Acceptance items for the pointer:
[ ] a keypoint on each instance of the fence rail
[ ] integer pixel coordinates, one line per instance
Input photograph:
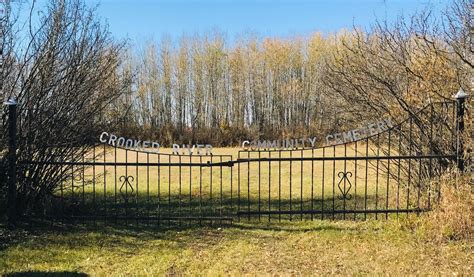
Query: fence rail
(393, 172)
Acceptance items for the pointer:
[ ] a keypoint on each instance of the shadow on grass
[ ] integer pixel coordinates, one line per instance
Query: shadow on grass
(72, 235)
(147, 219)
(317, 226)
(44, 273)
(221, 207)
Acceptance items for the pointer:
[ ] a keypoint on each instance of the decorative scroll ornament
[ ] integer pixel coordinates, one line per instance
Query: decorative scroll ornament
(78, 177)
(346, 185)
(126, 188)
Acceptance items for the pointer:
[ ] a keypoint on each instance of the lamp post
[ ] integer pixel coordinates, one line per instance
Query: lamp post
(460, 97)
(12, 159)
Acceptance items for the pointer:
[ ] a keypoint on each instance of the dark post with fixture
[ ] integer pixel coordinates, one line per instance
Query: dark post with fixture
(11, 158)
(460, 99)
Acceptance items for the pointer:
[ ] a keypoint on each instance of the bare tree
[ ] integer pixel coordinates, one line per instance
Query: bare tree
(397, 69)
(64, 75)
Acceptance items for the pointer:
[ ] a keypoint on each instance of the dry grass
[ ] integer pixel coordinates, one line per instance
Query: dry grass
(451, 218)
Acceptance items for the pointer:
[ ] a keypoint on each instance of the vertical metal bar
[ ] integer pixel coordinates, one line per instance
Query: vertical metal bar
(323, 184)
(291, 183)
(221, 197)
(420, 169)
(410, 143)
(238, 188)
(169, 190)
(399, 166)
(159, 188)
(259, 188)
(137, 208)
(148, 185)
(190, 186)
(248, 184)
(430, 166)
(312, 183)
(377, 177)
(72, 184)
(419, 183)
(231, 187)
(105, 184)
(62, 184)
(212, 206)
(366, 175)
(355, 179)
(179, 190)
(269, 184)
(333, 181)
(388, 170)
(279, 185)
(83, 178)
(115, 183)
(200, 188)
(345, 172)
(301, 186)
(93, 183)
(126, 187)
(442, 122)
(439, 185)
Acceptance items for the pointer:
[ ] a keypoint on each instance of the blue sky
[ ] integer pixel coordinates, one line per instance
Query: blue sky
(141, 20)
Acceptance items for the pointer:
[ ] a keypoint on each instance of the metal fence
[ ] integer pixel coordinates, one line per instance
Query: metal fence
(389, 173)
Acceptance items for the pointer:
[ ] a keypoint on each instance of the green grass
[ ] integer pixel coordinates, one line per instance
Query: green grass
(298, 247)
(318, 247)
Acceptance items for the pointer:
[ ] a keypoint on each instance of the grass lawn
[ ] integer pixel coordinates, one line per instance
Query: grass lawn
(248, 247)
(317, 247)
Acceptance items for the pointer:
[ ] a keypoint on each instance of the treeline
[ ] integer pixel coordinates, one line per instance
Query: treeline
(203, 89)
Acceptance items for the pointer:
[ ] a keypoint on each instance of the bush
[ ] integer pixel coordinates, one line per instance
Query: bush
(63, 81)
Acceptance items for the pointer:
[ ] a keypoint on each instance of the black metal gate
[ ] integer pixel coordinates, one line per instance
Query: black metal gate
(391, 172)
(121, 185)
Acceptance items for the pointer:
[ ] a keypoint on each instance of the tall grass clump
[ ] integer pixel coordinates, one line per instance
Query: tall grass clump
(451, 217)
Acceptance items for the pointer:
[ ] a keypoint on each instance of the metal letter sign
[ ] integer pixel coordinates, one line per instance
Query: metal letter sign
(116, 141)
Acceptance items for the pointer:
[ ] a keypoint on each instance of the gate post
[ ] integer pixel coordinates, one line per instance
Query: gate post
(460, 99)
(12, 160)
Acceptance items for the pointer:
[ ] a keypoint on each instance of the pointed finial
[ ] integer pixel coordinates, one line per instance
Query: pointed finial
(460, 94)
(10, 102)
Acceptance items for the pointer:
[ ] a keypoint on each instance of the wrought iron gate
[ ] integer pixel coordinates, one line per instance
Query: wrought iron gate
(392, 172)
